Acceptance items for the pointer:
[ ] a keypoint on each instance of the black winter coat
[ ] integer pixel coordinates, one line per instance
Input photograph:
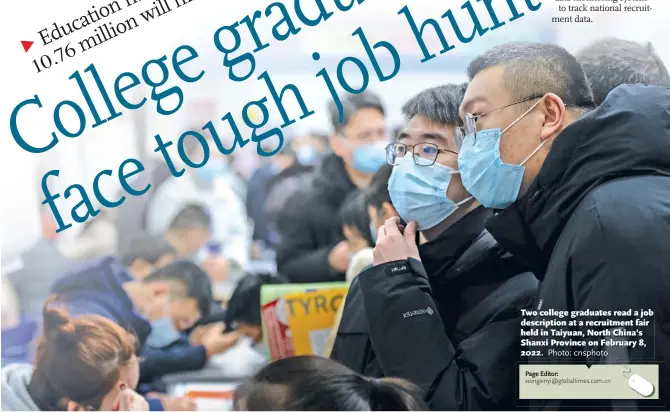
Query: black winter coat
(450, 324)
(595, 225)
(309, 226)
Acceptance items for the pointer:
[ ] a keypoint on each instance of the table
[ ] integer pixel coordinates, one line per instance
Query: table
(212, 387)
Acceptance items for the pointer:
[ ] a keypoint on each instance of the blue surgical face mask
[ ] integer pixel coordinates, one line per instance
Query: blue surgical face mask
(369, 158)
(307, 156)
(492, 182)
(163, 333)
(419, 193)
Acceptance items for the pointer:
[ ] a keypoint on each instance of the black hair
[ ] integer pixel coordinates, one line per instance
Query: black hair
(378, 191)
(190, 217)
(312, 383)
(611, 62)
(244, 305)
(351, 103)
(439, 104)
(191, 277)
(354, 212)
(536, 69)
(148, 248)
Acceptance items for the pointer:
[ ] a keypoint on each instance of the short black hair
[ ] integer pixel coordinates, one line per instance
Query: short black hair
(244, 305)
(312, 383)
(148, 248)
(611, 62)
(378, 191)
(439, 104)
(191, 277)
(354, 212)
(351, 103)
(190, 217)
(536, 69)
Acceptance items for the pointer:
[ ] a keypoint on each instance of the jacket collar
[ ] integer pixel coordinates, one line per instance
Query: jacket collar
(440, 255)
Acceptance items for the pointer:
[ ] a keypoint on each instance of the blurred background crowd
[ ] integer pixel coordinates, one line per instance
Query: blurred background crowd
(191, 254)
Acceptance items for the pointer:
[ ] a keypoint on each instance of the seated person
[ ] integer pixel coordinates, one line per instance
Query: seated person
(84, 363)
(156, 308)
(244, 308)
(311, 383)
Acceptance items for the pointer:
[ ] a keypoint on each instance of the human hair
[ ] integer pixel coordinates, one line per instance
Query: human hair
(611, 62)
(78, 359)
(148, 248)
(532, 69)
(354, 212)
(312, 383)
(439, 104)
(191, 216)
(244, 305)
(351, 103)
(191, 280)
(378, 191)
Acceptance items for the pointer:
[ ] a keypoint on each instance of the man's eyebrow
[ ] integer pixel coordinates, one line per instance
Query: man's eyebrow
(402, 135)
(468, 103)
(433, 136)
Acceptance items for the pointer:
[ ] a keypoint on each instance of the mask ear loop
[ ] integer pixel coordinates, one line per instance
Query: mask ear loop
(521, 117)
(517, 121)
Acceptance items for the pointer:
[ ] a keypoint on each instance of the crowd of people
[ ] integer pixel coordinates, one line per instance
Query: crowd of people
(540, 184)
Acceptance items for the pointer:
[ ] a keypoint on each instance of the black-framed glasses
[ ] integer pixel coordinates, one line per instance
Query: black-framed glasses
(470, 121)
(424, 154)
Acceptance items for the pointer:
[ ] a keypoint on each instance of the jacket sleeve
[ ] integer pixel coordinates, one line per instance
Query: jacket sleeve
(155, 363)
(410, 342)
(297, 257)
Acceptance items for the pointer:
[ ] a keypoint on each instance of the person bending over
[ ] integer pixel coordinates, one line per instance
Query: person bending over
(156, 309)
(84, 363)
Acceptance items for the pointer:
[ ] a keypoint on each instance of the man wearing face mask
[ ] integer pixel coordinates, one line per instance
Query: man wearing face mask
(444, 315)
(225, 256)
(584, 192)
(312, 246)
(157, 308)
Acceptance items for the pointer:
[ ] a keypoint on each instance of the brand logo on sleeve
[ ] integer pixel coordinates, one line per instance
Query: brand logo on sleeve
(427, 311)
(399, 269)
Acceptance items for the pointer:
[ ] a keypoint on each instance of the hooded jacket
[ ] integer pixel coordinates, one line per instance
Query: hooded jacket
(450, 323)
(15, 380)
(594, 224)
(309, 226)
(97, 288)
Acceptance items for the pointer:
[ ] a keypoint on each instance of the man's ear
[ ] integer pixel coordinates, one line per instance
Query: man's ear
(554, 116)
(336, 145)
(388, 211)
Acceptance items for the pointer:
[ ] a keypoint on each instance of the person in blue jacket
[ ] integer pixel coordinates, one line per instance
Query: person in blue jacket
(156, 309)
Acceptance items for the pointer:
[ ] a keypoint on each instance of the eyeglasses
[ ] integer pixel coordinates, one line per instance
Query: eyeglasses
(424, 154)
(470, 121)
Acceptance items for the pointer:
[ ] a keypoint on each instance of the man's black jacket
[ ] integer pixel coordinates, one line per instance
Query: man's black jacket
(450, 324)
(309, 225)
(595, 223)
